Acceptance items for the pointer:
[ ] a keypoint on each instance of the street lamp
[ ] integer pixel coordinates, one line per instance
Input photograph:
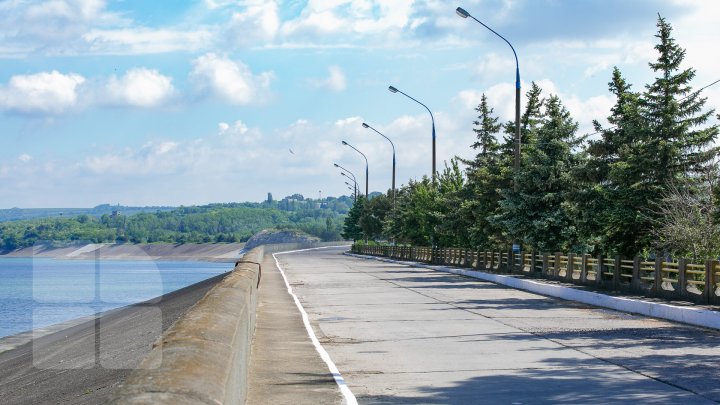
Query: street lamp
(393, 148)
(353, 188)
(395, 90)
(464, 14)
(354, 182)
(354, 179)
(366, 167)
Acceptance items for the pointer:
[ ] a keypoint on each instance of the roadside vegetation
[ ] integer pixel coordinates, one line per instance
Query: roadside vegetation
(644, 184)
(201, 224)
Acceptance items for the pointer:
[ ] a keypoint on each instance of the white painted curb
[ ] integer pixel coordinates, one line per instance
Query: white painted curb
(689, 315)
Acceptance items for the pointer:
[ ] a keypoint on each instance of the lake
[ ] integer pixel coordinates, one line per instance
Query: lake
(38, 292)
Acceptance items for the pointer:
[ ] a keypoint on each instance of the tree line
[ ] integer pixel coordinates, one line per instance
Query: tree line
(235, 222)
(642, 185)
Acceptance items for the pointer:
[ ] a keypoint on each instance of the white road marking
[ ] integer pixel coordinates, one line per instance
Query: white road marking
(344, 389)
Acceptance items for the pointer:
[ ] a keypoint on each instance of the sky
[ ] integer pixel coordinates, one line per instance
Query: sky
(173, 102)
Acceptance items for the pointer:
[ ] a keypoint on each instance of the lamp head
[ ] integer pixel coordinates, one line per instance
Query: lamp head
(462, 13)
(392, 89)
(336, 165)
(344, 143)
(365, 125)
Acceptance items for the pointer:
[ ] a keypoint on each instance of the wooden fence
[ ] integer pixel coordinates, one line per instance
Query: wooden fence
(682, 280)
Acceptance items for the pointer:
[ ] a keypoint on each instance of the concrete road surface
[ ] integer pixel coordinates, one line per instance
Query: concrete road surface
(408, 335)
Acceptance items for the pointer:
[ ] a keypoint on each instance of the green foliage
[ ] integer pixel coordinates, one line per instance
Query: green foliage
(611, 195)
(535, 209)
(212, 223)
(351, 227)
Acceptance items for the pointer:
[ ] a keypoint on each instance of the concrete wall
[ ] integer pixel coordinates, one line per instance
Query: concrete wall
(203, 358)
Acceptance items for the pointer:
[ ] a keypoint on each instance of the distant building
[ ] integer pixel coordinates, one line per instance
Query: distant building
(269, 199)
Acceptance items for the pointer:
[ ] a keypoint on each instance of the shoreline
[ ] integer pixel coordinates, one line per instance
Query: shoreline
(126, 337)
(201, 252)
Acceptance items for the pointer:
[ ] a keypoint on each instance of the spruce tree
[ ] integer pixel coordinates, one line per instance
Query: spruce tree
(678, 148)
(537, 208)
(486, 176)
(351, 227)
(609, 202)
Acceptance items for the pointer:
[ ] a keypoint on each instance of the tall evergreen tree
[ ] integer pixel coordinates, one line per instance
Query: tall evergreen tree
(486, 176)
(351, 228)
(674, 113)
(612, 193)
(537, 209)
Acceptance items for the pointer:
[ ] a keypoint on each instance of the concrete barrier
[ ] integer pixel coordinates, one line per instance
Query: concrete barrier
(204, 357)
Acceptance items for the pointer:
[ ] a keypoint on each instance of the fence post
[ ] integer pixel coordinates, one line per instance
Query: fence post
(570, 267)
(616, 272)
(583, 268)
(556, 268)
(533, 259)
(657, 285)
(600, 270)
(544, 265)
(713, 297)
(708, 292)
(681, 291)
(635, 282)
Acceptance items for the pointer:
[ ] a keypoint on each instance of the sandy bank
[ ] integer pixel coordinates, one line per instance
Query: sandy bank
(213, 252)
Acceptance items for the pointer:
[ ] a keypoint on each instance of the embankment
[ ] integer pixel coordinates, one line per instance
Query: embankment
(84, 363)
(204, 357)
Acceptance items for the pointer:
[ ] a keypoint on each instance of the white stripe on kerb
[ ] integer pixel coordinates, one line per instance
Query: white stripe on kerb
(347, 394)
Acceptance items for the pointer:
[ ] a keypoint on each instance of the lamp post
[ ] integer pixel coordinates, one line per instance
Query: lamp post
(395, 90)
(464, 14)
(353, 188)
(366, 167)
(393, 148)
(354, 184)
(354, 179)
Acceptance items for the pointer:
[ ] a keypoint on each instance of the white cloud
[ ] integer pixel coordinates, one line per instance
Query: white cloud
(24, 158)
(258, 23)
(349, 19)
(215, 4)
(238, 128)
(41, 93)
(141, 40)
(153, 157)
(54, 26)
(139, 87)
(335, 81)
(230, 81)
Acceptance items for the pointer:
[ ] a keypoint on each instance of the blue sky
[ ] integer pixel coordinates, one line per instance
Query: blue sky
(175, 102)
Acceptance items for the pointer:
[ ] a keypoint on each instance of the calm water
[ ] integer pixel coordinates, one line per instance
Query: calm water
(35, 293)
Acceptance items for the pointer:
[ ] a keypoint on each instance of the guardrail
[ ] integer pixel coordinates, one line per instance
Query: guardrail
(682, 280)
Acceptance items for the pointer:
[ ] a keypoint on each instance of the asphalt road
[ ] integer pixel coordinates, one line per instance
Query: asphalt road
(409, 335)
(84, 363)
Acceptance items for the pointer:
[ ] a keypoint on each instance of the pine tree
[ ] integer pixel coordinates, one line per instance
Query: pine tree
(611, 189)
(678, 149)
(486, 176)
(351, 228)
(537, 209)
